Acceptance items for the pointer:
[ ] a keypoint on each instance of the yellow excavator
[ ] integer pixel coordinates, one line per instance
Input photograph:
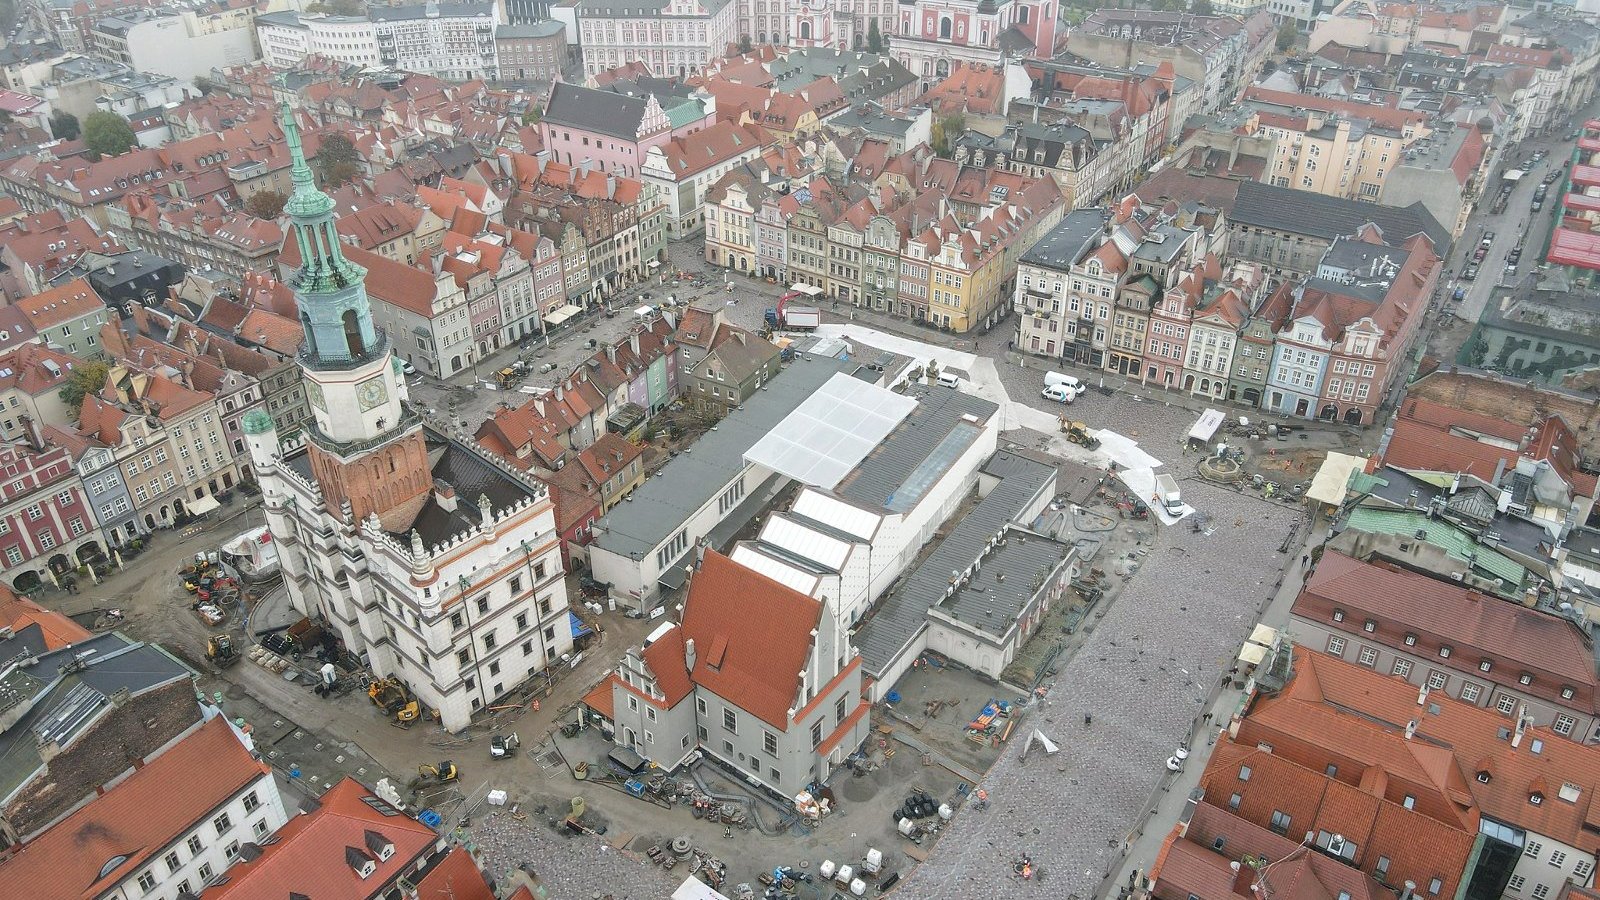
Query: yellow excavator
(443, 773)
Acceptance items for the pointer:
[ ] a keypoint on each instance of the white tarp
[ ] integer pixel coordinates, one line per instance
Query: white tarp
(1332, 480)
(562, 314)
(204, 505)
(831, 431)
(695, 889)
(1206, 426)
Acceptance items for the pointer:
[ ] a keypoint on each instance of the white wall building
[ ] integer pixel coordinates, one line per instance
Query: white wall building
(181, 45)
(453, 41)
(435, 562)
(672, 37)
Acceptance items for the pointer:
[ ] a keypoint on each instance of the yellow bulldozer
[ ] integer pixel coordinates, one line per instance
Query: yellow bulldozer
(219, 650)
(1078, 433)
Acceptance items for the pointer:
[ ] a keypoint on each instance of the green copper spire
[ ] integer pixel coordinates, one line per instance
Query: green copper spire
(323, 267)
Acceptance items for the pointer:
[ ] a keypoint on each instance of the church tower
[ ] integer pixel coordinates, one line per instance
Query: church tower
(366, 447)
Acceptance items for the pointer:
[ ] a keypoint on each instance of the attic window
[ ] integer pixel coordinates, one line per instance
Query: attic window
(1566, 693)
(113, 864)
(1570, 792)
(1536, 798)
(1485, 665)
(1369, 626)
(378, 844)
(1485, 777)
(360, 861)
(1444, 652)
(1338, 615)
(1411, 640)
(1525, 678)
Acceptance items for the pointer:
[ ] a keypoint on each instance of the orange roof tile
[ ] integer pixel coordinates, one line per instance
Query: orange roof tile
(64, 303)
(456, 877)
(59, 631)
(309, 853)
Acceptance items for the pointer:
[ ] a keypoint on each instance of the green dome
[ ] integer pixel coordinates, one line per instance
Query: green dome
(257, 422)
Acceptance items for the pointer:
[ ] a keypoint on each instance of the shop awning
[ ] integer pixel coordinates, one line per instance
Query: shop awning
(653, 264)
(562, 314)
(578, 628)
(1264, 635)
(203, 505)
(1252, 654)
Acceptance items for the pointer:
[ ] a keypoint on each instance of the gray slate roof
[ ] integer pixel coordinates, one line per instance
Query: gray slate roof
(902, 615)
(1062, 247)
(603, 112)
(664, 502)
(991, 605)
(112, 662)
(1302, 212)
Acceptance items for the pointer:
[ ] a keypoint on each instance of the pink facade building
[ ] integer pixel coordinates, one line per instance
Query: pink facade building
(46, 523)
(615, 127)
(933, 35)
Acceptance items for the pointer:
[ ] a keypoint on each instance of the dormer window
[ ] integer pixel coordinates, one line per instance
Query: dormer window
(1369, 626)
(1566, 692)
(1525, 678)
(1411, 640)
(378, 845)
(1536, 798)
(1338, 615)
(1444, 652)
(358, 860)
(1485, 665)
(1485, 777)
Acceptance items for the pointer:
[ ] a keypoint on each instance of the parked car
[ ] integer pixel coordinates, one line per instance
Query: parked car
(1538, 204)
(1470, 273)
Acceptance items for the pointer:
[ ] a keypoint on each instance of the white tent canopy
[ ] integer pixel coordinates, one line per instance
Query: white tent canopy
(832, 431)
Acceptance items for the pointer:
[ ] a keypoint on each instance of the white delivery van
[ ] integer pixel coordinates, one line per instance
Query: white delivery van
(1167, 493)
(1060, 393)
(949, 380)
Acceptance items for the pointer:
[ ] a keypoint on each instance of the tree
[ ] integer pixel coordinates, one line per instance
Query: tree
(1202, 8)
(745, 46)
(87, 378)
(1287, 35)
(107, 134)
(204, 85)
(337, 7)
(532, 116)
(265, 204)
(64, 126)
(337, 160)
(874, 37)
(946, 130)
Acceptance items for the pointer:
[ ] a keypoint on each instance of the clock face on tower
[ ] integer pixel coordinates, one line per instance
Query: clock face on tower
(371, 393)
(314, 394)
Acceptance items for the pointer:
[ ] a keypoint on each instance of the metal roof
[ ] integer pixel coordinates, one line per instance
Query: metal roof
(753, 556)
(661, 505)
(1065, 243)
(1012, 573)
(805, 542)
(831, 512)
(832, 431)
(1452, 539)
(902, 615)
(913, 456)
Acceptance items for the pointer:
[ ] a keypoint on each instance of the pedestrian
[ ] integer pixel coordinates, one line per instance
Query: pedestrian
(1087, 720)
(1304, 560)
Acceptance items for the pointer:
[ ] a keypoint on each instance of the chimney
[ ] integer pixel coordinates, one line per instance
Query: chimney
(611, 353)
(1411, 729)
(1522, 725)
(35, 435)
(633, 342)
(1244, 878)
(689, 654)
(1410, 891)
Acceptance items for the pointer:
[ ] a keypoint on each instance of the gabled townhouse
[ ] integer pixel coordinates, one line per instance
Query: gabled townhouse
(1064, 297)
(756, 674)
(168, 440)
(526, 439)
(1345, 343)
(733, 367)
(40, 247)
(203, 236)
(31, 379)
(403, 232)
(683, 169)
(254, 336)
(615, 129)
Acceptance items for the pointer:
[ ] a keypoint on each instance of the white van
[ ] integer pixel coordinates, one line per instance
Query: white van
(1051, 379)
(949, 380)
(1060, 393)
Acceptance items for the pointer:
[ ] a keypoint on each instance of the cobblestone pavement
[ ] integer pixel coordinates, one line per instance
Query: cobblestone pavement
(570, 867)
(1151, 662)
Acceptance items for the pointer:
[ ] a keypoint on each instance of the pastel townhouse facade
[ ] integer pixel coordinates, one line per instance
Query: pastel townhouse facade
(932, 37)
(684, 169)
(46, 521)
(613, 130)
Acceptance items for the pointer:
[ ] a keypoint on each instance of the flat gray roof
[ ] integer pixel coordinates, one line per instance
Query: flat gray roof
(990, 604)
(904, 613)
(661, 505)
(897, 472)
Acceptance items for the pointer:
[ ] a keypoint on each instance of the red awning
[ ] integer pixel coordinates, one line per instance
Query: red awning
(1570, 247)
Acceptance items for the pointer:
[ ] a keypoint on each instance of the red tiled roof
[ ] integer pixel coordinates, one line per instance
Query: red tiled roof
(308, 855)
(600, 698)
(75, 859)
(766, 628)
(608, 456)
(64, 303)
(456, 877)
(1440, 613)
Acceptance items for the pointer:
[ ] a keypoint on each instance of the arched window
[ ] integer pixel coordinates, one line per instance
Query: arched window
(944, 28)
(311, 339)
(805, 31)
(352, 333)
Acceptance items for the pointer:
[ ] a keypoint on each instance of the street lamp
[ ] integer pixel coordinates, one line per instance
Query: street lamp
(472, 642)
(533, 585)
